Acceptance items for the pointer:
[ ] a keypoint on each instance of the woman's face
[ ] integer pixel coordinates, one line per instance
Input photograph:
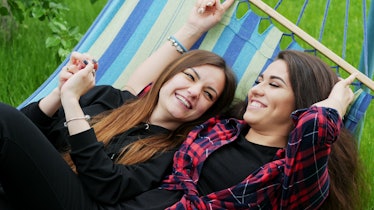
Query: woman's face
(190, 93)
(271, 100)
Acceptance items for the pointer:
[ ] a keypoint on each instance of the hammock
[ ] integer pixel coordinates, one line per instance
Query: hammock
(126, 32)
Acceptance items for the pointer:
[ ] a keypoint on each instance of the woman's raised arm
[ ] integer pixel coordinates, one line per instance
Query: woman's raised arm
(204, 15)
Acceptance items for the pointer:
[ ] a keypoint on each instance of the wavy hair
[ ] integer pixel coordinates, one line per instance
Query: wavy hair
(312, 81)
(113, 123)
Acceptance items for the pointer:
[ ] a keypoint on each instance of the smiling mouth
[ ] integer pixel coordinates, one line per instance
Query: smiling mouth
(256, 104)
(184, 101)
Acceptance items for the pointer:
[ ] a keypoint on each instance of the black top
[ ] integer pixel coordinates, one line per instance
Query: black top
(225, 167)
(107, 182)
(231, 164)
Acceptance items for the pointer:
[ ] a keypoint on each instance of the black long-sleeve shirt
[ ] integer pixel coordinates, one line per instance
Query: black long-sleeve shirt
(107, 182)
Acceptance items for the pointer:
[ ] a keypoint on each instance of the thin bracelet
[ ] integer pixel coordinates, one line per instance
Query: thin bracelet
(85, 117)
(178, 46)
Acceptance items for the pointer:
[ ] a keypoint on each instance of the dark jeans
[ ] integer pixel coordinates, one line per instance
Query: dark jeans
(32, 172)
(4, 202)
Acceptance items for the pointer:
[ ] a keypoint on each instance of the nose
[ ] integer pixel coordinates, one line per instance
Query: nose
(257, 89)
(194, 90)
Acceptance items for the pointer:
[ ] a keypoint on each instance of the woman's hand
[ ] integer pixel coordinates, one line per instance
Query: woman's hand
(76, 63)
(52, 102)
(76, 78)
(75, 82)
(341, 96)
(206, 14)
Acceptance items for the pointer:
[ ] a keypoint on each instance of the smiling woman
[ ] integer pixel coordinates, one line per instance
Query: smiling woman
(189, 94)
(277, 166)
(138, 145)
(128, 141)
(270, 103)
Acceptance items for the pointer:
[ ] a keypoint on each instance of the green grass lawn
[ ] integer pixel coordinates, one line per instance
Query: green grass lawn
(26, 62)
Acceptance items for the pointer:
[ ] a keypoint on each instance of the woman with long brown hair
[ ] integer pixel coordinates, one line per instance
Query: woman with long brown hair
(118, 144)
(284, 141)
(282, 148)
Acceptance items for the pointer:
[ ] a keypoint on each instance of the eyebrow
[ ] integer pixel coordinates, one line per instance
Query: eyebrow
(198, 76)
(274, 77)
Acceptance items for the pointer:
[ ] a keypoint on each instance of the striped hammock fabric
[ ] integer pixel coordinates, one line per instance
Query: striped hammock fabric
(127, 32)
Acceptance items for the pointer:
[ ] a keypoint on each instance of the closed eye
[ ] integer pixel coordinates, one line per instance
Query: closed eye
(189, 75)
(274, 84)
(209, 95)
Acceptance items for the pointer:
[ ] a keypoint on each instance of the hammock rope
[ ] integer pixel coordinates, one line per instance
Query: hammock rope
(365, 45)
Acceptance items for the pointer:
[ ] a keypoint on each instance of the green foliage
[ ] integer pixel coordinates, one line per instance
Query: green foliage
(62, 38)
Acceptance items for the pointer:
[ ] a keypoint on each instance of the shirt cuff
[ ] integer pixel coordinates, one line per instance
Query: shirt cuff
(34, 112)
(82, 140)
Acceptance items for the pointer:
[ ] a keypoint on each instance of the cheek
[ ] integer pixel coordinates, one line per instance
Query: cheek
(168, 86)
(203, 106)
(287, 104)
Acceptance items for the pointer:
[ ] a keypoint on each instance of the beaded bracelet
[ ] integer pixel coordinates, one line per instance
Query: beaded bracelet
(179, 47)
(85, 117)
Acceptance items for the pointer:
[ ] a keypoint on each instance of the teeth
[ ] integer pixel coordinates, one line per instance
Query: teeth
(183, 100)
(256, 104)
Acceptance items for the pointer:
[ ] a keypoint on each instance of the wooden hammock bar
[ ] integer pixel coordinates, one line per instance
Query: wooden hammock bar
(313, 42)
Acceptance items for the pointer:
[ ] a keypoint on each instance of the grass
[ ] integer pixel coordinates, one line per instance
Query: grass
(26, 63)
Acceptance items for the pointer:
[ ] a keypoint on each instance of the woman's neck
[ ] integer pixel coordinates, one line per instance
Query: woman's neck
(270, 139)
(165, 123)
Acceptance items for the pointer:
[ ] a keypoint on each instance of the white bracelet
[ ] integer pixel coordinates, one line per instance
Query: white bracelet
(178, 46)
(85, 117)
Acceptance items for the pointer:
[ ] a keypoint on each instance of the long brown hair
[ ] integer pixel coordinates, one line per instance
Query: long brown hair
(312, 80)
(107, 125)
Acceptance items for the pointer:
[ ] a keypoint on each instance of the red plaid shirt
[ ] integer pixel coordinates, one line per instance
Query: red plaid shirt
(297, 178)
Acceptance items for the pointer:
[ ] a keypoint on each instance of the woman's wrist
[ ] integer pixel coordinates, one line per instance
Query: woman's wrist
(68, 100)
(334, 104)
(187, 36)
(76, 119)
(51, 103)
(188, 31)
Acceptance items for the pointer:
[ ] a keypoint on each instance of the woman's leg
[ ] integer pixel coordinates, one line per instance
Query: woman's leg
(4, 202)
(32, 172)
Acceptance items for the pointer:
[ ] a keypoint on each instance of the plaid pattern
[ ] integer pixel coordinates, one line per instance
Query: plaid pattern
(297, 178)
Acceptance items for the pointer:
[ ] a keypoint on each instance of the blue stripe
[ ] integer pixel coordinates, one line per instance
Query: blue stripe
(99, 25)
(223, 42)
(245, 44)
(129, 39)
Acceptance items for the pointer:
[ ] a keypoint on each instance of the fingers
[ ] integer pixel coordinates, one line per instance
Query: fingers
(227, 4)
(70, 68)
(201, 5)
(349, 80)
(344, 86)
(87, 73)
(80, 61)
(213, 5)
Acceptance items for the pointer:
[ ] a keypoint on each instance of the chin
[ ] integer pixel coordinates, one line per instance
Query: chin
(251, 119)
